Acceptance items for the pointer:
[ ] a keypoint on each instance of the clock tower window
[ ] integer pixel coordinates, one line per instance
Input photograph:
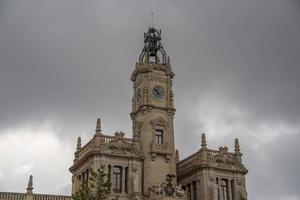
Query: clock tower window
(159, 136)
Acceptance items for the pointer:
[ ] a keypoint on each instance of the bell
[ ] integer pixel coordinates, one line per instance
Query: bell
(152, 52)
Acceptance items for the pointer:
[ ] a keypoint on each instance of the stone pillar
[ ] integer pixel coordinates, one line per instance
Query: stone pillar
(219, 189)
(233, 189)
(229, 189)
(192, 191)
(111, 178)
(123, 179)
(198, 188)
(76, 184)
(205, 184)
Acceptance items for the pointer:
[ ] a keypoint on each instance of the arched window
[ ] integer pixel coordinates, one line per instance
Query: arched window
(117, 179)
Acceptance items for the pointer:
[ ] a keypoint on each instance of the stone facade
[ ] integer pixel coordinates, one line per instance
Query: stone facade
(145, 165)
(121, 157)
(213, 174)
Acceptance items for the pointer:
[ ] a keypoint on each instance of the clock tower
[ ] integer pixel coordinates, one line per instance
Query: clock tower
(153, 110)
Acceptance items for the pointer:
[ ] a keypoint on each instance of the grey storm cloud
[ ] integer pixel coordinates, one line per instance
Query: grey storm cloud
(237, 75)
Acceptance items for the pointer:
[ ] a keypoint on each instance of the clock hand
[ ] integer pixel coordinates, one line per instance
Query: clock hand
(157, 92)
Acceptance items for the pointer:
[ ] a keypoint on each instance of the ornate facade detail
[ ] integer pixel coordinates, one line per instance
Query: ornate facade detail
(167, 190)
(152, 46)
(160, 122)
(212, 168)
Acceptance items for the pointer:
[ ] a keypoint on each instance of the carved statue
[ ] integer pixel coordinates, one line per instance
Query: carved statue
(179, 192)
(167, 190)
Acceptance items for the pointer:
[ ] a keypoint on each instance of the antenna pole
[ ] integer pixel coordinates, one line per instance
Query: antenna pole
(152, 19)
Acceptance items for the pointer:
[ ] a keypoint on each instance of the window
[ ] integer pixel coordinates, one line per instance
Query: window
(224, 189)
(159, 136)
(117, 179)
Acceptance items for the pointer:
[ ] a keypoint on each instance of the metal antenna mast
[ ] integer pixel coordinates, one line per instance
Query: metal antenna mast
(152, 19)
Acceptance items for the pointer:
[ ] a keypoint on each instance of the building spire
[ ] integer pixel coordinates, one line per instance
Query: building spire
(203, 141)
(236, 145)
(78, 143)
(30, 185)
(237, 150)
(98, 126)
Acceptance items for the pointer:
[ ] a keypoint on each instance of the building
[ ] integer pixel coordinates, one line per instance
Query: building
(213, 174)
(141, 163)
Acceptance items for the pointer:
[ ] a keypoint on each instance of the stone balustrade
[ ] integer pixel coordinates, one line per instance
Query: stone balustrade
(26, 196)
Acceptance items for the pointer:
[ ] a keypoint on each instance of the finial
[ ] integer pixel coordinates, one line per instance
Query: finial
(177, 155)
(30, 185)
(98, 126)
(236, 145)
(78, 143)
(203, 141)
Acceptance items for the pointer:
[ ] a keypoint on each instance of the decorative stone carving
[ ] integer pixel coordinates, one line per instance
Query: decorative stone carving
(223, 159)
(119, 146)
(160, 122)
(179, 192)
(167, 190)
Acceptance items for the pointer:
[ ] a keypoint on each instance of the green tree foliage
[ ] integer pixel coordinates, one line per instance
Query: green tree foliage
(97, 187)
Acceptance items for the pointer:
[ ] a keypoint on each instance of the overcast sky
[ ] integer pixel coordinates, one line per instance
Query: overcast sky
(65, 63)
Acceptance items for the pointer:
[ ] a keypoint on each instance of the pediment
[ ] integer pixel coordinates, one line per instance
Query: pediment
(226, 161)
(120, 148)
(160, 122)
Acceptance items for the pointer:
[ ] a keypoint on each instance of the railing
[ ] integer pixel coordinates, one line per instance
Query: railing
(188, 162)
(50, 197)
(12, 196)
(107, 138)
(129, 140)
(104, 139)
(163, 147)
(22, 196)
(216, 152)
(213, 153)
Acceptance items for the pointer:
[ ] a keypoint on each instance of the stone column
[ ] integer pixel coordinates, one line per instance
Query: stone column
(197, 190)
(192, 191)
(229, 189)
(111, 178)
(219, 189)
(123, 179)
(74, 186)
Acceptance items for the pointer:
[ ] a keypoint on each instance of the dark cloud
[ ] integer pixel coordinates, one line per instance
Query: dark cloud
(236, 64)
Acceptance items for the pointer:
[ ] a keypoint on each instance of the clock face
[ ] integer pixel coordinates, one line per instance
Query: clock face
(139, 95)
(158, 92)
